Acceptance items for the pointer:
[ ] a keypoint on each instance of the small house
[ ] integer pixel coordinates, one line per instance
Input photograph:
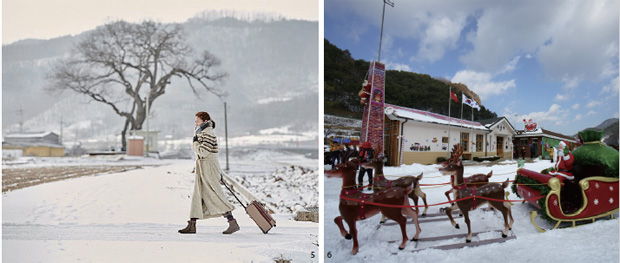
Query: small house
(40, 144)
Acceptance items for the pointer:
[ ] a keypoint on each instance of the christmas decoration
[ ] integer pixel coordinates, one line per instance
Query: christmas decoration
(530, 125)
(594, 153)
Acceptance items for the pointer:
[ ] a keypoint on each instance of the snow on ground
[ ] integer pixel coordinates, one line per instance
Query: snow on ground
(86, 160)
(291, 188)
(342, 121)
(341, 125)
(597, 242)
(134, 216)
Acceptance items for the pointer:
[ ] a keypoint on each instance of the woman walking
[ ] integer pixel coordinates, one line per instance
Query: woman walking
(208, 200)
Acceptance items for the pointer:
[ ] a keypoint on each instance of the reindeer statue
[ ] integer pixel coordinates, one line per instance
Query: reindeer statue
(381, 183)
(352, 211)
(489, 190)
(471, 181)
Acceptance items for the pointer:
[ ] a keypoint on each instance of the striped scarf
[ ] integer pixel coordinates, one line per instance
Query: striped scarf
(208, 140)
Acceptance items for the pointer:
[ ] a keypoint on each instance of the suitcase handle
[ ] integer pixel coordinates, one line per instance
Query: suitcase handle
(222, 179)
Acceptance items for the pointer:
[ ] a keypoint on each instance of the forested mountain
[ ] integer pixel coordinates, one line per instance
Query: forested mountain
(344, 76)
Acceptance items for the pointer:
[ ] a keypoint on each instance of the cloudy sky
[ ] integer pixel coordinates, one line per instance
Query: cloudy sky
(48, 19)
(553, 61)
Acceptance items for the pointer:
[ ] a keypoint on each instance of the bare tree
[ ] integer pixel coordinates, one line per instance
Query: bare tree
(124, 64)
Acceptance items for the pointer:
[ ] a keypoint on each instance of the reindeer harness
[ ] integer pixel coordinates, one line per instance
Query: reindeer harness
(362, 203)
(382, 177)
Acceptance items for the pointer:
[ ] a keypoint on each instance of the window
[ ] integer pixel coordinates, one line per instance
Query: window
(479, 141)
(465, 141)
(523, 142)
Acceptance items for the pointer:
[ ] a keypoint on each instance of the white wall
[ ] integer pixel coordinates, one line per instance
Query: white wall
(502, 129)
(425, 133)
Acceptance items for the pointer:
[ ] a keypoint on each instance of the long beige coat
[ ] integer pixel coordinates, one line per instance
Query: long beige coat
(208, 200)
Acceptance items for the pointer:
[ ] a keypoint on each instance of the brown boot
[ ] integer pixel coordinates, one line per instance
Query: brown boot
(232, 227)
(190, 228)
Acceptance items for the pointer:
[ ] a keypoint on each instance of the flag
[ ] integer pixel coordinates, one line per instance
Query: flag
(470, 102)
(453, 97)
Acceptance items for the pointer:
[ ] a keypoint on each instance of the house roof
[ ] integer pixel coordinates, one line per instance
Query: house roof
(545, 133)
(28, 135)
(32, 144)
(492, 122)
(398, 112)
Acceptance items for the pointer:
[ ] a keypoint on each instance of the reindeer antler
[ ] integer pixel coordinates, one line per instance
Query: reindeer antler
(346, 154)
(457, 152)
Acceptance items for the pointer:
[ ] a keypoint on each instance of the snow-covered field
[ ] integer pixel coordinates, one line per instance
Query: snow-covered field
(597, 242)
(134, 216)
(341, 125)
(109, 160)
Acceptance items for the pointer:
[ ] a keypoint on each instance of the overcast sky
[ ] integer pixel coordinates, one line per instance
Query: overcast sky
(39, 19)
(553, 61)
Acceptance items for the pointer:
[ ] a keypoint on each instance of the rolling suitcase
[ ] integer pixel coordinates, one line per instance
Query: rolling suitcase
(256, 211)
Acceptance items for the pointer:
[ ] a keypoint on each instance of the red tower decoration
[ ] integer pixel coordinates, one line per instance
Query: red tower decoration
(372, 122)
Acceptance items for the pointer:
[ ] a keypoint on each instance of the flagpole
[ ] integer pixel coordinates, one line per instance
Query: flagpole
(462, 99)
(472, 128)
(449, 123)
(461, 137)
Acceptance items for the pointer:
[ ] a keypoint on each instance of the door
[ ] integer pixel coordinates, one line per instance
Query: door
(500, 147)
(465, 141)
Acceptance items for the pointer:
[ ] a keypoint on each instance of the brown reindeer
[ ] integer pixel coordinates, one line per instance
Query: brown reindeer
(471, 181)
(381, 183)
(489, 190)
(352, 211)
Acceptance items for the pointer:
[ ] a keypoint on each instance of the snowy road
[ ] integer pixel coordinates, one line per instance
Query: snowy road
(596, 242)
(134, 216)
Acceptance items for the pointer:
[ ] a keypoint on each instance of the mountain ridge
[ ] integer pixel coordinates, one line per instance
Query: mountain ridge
(344, 76)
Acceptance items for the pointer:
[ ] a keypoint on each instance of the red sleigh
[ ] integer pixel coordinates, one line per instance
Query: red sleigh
(584, 199)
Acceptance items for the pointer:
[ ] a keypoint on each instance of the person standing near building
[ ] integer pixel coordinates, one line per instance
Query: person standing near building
(208, 200)
(366, 153)
(515, 151)
(335, 150)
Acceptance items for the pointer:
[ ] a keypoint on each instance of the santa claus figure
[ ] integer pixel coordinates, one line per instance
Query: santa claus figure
(563, 163)
(365, 92)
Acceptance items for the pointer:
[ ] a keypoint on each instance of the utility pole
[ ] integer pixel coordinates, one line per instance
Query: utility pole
(147, 125)
(62, 123)
(21, 118)
(382, 16)
(226, 134)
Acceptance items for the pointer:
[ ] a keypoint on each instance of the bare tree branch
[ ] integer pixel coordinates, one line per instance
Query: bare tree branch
(119, 59)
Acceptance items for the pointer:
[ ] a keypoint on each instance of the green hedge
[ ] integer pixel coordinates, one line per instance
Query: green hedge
(482, 159)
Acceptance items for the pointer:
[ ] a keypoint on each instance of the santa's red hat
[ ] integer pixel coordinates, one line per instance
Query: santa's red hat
(565, 144)
(366, 145)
